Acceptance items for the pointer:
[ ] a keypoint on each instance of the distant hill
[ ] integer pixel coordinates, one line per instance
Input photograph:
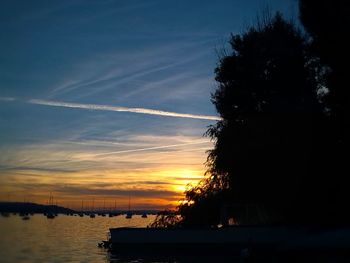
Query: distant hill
(20, 207)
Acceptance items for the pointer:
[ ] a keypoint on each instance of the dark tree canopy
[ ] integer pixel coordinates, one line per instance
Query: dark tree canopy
(267, 99)
(327, 22)
(280, 148)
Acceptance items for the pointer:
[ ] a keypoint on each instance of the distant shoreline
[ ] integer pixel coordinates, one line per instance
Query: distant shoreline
(25, 207)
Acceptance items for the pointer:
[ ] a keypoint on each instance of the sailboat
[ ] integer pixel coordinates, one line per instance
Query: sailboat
(128, 214)
(104, 208)
(92, 215)
(81, 214)
(144, 215)
(50, 215)
(111, 214)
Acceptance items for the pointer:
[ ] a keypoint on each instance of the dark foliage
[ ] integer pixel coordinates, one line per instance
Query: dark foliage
(328, 22)
(166, 219)
(280, 148)
(264, 144)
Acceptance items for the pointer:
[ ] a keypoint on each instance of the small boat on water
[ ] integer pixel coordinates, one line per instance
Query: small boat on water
(50, 215)
(280, 238)
(92, 214)
(128, 215)
(144, 215)
(5, 214)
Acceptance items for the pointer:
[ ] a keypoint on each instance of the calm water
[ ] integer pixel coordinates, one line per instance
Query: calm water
(63, 239)
(74, 239)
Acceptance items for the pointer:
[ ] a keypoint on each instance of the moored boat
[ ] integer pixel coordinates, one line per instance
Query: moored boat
(50, 215)
(282, 238)
(5, 214)
(128, 215)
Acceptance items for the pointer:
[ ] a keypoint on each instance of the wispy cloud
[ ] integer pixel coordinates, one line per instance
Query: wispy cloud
(122, 109)
(7, 99)
(129, 151)
(153, 148)
(116, 69)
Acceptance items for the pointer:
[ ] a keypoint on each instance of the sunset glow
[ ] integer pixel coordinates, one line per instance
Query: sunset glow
(151, 178)
(105, 100)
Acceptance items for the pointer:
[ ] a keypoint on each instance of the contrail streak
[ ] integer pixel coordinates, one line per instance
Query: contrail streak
(151, 148)
(122, 109)
(7, 99)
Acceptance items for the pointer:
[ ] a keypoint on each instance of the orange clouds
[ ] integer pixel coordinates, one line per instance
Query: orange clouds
(154, 178)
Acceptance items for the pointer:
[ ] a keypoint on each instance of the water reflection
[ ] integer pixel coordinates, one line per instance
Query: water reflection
(62, 239)
(74, 239)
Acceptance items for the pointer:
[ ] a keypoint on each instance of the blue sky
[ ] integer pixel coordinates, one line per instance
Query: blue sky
(156, 55)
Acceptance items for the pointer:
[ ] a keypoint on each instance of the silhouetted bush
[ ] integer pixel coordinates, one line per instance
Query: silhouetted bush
(279, 148)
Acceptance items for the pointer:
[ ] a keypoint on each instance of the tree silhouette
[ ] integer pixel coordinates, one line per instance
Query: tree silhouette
(281, 146)
(267, 99)
(327, 22)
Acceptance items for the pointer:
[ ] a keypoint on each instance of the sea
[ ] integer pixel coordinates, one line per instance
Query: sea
(62, 239)
(75, 239)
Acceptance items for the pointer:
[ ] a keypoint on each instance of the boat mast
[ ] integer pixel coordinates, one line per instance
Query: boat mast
(129, 203)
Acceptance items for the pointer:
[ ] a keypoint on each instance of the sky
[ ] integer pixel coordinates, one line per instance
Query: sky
(108, 99)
